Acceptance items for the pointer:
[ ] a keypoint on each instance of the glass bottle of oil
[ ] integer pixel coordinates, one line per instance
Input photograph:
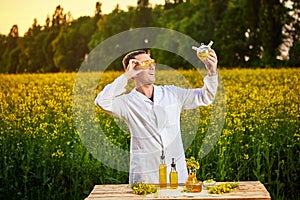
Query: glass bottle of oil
(162, 172)
(203, 50)
(173, 175)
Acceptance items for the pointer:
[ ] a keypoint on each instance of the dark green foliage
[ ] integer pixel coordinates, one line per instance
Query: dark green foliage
(246, 34)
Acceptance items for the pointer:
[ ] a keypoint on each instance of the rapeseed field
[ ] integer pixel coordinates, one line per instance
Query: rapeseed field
(42, 155)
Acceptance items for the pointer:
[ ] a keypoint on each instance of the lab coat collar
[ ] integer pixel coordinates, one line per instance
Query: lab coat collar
(156, 94)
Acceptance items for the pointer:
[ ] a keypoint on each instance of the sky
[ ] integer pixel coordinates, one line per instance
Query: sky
(23, 12)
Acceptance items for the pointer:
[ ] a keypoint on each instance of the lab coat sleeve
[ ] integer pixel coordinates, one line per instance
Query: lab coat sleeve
(210, 88)
(204, 96)
(106, 99)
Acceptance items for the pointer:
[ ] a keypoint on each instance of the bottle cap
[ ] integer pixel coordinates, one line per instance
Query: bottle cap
(173, 162)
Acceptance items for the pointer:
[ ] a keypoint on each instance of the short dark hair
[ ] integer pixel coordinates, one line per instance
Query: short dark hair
(130, 56)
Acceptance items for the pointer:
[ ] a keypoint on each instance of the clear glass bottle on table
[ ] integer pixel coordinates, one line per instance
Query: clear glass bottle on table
(173, 176)
(162, 172)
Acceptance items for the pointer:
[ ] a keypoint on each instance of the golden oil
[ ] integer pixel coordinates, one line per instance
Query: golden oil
(162, 175)
(173, 176)
(203, 50)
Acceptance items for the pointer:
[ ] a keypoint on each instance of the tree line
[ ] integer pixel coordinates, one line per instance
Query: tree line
(247, 33)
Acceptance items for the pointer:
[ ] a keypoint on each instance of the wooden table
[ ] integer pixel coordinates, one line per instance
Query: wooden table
(248, 190)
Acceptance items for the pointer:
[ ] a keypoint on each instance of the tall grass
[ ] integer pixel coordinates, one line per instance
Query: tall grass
(43, 157)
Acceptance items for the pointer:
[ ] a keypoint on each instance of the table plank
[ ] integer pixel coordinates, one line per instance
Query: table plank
(248, 190)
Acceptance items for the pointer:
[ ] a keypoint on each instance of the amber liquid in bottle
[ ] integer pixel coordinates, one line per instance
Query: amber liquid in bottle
(163, 172)
(162, 175)
(173, 176)
(203, 55)
(203, 50)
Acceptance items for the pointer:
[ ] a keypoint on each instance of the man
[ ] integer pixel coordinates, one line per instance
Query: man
(152, 114)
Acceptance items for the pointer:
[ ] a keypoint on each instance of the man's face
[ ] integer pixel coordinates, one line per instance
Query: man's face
(147, 76)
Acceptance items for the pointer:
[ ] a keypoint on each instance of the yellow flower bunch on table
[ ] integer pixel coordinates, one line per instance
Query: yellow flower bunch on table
(143, 188)
(222, 188)
(192, 184)
(191, 163)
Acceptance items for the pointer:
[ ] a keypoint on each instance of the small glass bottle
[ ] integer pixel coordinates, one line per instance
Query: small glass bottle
(173, 176)
(203, 50)
(162, 172)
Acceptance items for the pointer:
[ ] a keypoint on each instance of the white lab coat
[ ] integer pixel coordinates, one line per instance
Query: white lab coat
(154, 124)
